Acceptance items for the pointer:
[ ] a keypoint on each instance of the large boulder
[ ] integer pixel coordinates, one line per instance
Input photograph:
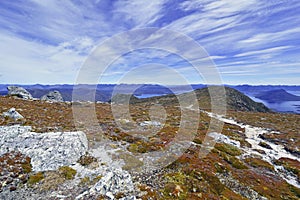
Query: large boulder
(13, 114)
(53, 96)
(48, 151)
(19, 92)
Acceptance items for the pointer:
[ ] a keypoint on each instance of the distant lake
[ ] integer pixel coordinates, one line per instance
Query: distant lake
(143, 96)
(285, 106)
(177, 91)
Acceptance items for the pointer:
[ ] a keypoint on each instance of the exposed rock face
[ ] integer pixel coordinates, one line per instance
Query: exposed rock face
(48, 151)
(114, 182)
(13, 114)
(19, 92)
(53, 96)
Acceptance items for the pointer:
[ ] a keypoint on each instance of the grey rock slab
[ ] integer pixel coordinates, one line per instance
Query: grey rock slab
(48, 151)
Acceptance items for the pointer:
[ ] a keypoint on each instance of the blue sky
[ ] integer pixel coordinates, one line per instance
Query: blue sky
(250, 41)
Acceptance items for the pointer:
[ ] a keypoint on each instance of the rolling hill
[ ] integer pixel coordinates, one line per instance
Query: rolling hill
(235, 100)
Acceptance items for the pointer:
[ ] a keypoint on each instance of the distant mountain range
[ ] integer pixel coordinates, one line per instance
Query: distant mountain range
(104, 92)
(253, 91)
(279, 95)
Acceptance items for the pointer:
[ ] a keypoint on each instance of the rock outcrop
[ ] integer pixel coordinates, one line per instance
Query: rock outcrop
(53, 96)
(114, 182)
(19, 92)
(48, 151)
(13, 114)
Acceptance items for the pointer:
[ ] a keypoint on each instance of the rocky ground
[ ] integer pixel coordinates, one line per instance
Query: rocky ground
(255, 155)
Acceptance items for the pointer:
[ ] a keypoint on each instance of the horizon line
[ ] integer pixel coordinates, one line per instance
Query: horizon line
(225, 84)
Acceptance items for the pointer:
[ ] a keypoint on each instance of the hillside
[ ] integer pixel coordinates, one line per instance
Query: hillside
(279, 95)
(245, 163)
(235, 100)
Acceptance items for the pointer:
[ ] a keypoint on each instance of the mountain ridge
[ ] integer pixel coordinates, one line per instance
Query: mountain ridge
(278, 95)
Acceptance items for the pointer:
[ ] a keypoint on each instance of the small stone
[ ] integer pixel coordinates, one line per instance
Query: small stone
(9, 180)
(110, 195)
(13, 114)
(12, 188)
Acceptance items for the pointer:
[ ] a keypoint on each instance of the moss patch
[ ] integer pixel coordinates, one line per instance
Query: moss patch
(35, 178)
(67, 172)
(51, 181)
(131, 162)
(232, 160)
(85, 181)
(295, 190)
(27, 168)
(258, 163)
(229, 149)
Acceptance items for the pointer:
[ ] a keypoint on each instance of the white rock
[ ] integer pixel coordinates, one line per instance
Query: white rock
(19, 92)
(12, 113)
(150, 123)
(224, 139)
(53, 96)
(48, 151)
(114, 182)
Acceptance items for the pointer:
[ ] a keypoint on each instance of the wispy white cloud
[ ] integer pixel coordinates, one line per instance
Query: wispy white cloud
(270, 37)
(225, 7)
(263, 52)
(139, 13)
(30, 61)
